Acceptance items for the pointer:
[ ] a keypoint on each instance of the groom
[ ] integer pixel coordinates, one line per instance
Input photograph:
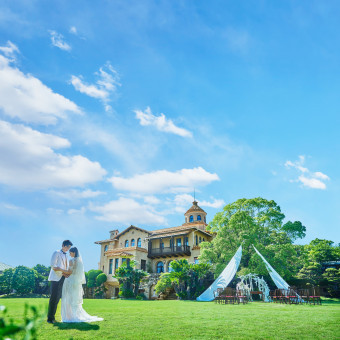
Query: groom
(58, 262)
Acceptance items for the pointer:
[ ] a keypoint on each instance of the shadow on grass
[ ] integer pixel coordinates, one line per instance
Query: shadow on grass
(81, 326)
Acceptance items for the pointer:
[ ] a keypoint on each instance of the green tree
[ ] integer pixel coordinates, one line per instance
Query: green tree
(91, 277)
(23, 280)
(250, 222)
(188, 280)
(311, 273)
(6, 281)
(129, 279)
(316, 253)
(294, 230)
(41, 273)
(332, 276)
(321, 251)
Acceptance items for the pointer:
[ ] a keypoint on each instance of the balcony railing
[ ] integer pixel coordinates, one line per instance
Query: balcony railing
(169, 251)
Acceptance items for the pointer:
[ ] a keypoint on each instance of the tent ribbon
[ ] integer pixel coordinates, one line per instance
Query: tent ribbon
(224, 279)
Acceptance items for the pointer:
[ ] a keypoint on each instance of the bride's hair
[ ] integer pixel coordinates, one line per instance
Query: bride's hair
(75, 251)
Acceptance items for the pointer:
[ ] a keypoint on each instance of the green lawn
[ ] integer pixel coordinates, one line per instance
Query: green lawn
(125, 319)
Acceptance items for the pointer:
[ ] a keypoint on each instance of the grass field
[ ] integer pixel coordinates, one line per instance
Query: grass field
(128, 319)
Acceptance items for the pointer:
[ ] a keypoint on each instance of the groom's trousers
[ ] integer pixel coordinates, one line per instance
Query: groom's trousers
(56, 289)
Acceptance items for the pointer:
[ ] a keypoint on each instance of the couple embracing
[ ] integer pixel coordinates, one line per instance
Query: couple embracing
(67, 278)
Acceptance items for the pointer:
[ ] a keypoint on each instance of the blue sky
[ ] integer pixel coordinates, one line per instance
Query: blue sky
(112, 112)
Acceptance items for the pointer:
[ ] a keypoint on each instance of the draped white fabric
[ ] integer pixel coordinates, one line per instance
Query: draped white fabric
(72, 295)
(278, 280)
(224, 279)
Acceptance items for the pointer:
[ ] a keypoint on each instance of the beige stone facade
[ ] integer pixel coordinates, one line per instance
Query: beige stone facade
(153, 250)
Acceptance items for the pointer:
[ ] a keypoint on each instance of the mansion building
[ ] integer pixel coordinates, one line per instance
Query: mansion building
(153, 250)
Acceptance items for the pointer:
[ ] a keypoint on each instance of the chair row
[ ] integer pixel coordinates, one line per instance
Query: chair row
(230, 296)
(296, 296)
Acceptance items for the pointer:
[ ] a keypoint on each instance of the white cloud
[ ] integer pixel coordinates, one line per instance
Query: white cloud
(80, 211)
(105, 86)
(127, 211)
(77, 194)
(9, 50)
(151, 200)
(161, 123)
(73, 30)
(27, 98)
(313, 180)
(57, 40)
(313, 183)
(183, 200)
(28, 161)
(165, 181)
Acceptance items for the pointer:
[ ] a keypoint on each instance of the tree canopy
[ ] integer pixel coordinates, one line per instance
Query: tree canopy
(258, 222)
(188, 280)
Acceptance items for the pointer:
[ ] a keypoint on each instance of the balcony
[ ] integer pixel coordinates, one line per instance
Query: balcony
(169, 251)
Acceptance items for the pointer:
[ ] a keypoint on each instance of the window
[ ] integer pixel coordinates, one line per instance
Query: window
(196, 260)
(128, 262)
(116, 264)
(110, 266)
(169, 267)
(106, 248)
(203, 239)
(199, 218)
(200, 239)
(186, 241)
(123, 260)
(162, 245)
(133, 242)
(179, 242)
(191, 218)
(143, 264)
(160, 267)
(126, 243)
(139, 243)
(196, 240)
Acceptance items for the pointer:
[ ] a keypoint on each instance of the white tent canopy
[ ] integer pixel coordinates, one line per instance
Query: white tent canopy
(229, 272)
(225, 277)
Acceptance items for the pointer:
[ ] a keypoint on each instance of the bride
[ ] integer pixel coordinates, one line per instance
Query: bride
(72, 294)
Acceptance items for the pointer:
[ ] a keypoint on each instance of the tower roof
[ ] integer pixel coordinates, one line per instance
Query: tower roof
(195, 208)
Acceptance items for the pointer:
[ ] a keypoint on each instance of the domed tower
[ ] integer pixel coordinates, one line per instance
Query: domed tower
(196, 216)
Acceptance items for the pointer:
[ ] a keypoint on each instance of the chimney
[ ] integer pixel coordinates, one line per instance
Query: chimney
(114, 233)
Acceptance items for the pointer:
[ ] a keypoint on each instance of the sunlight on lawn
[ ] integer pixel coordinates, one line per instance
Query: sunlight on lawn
(124, 319)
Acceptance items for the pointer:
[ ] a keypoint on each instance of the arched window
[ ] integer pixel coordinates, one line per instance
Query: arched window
(199, 218)
(133, 242)
(126, 243)
(139, 243)
(160, 267)
(106, 248)
(191, 218)
(169, 267)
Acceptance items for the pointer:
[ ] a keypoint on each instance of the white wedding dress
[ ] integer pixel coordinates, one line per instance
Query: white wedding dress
(72, 295)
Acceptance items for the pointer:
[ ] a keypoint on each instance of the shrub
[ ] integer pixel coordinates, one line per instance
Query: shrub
(91, 277)
(100, 279)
